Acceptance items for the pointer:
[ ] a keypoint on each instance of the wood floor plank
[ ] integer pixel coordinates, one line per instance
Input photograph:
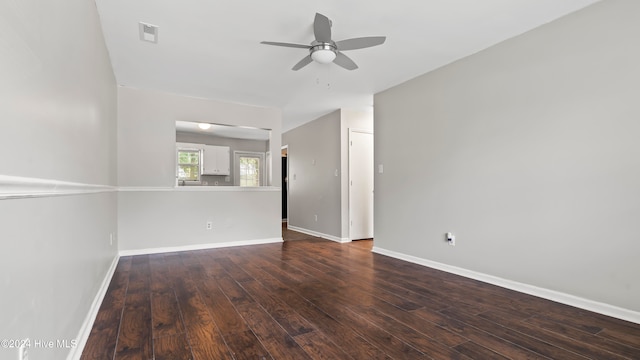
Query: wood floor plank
(134, 339)
(379, 337)
(622, 335)
(101, 343)
(316, 299)
(523, 340)
(246, 346)
(585, 349)
(159, 273)
(479, 336)
(221, 309)
(273, 337)
(207, 342)
(236, 294)
(320, 347)
(342, 335)
(172, 347)
(404, 333)
(102, 340)
(235, 271)
(284, 315)
(165, 314)
(475, 351)
(193, 309)
(584, 337)
(139, 275)
(366, 305)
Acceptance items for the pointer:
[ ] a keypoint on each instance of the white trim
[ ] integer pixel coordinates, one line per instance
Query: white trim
(350, 177)
(319, 234)
(87, 325)
(198, 247)
(16, 187)
(568, 299)
(197, 188)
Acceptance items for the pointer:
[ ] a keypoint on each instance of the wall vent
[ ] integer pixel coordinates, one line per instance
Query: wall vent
(148, 32)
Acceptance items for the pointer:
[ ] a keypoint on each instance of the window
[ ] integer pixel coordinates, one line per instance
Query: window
(249, 171)
(248, 168)
(188, 165)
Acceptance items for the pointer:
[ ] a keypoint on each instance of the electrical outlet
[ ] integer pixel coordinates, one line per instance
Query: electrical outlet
(111, 239)
(316, 217)
(209, 225)
(451, 239)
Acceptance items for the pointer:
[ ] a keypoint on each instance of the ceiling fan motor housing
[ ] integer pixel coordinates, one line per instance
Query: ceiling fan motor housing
(323, 52)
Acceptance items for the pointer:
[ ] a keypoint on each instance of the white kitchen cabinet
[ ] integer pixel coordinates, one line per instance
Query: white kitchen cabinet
(216, 160)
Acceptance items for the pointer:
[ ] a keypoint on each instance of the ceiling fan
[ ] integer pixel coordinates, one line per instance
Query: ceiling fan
(324, 50)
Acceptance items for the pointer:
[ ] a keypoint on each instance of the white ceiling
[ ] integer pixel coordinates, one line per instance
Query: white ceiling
(212, 49)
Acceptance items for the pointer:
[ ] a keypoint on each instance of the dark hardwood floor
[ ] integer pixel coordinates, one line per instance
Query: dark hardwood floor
(309, 298)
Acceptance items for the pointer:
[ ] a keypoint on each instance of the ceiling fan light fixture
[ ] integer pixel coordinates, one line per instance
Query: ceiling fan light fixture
(324, 50)
(323, 56)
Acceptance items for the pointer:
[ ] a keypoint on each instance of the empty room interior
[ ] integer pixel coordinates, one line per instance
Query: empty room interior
(320, 180)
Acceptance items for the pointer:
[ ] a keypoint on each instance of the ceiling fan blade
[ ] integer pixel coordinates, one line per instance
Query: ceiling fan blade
(302, 63)
(285, 44)
(322, 28)
(344, 61)
(360, 43)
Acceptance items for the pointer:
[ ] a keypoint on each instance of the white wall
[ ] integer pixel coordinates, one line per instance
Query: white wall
(57, 123)
(146, 160)
(529, 153)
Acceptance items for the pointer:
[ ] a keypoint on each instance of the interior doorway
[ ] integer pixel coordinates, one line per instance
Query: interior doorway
(360, 184)
(285, 182)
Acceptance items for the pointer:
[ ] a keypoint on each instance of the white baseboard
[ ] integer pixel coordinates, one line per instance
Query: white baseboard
(197, 247)
(318, 234)
(571, 300)
(85, 330)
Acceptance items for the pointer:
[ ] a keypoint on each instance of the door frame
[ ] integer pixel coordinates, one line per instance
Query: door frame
(351, 131)
(285, 186)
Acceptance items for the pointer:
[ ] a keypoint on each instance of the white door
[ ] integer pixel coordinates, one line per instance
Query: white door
(360, 185)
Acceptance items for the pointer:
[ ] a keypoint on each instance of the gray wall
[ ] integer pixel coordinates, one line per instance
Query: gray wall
(234, 145)
(314, 189)
(147, 215)
(529, 153)
(167, 219)
(58, 123)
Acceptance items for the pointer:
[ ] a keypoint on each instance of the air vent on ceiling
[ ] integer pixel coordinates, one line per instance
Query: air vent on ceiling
(148, 32)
